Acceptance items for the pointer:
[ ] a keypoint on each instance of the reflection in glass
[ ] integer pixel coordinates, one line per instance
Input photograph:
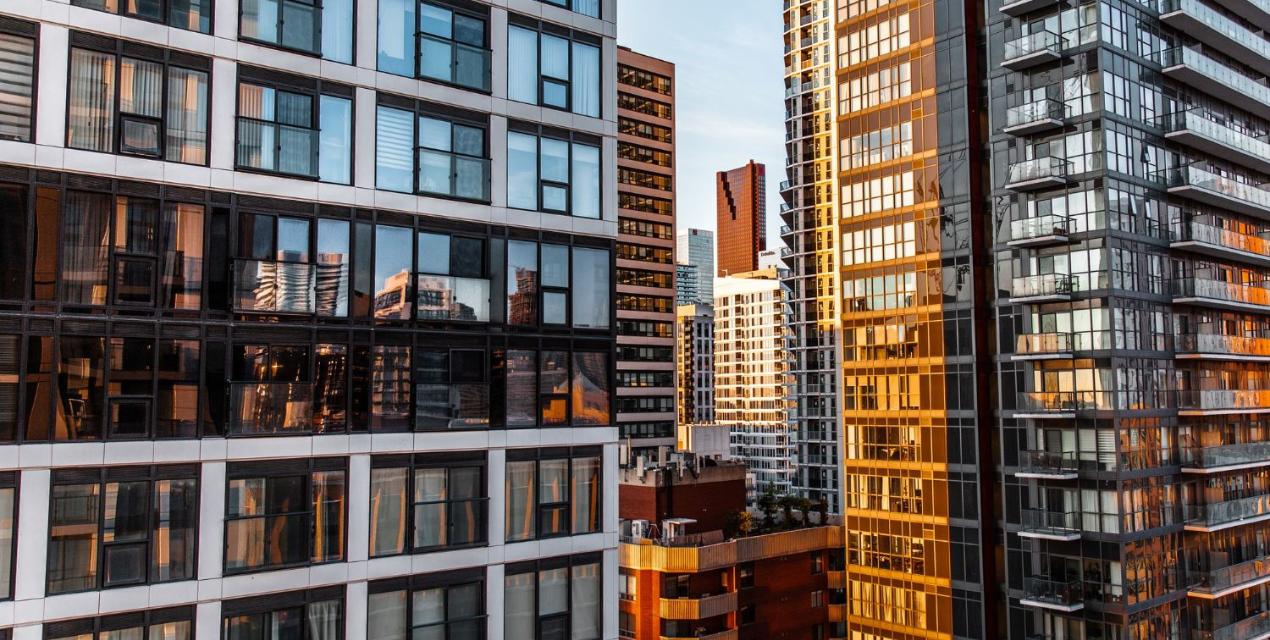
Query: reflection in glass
(91, 103)
(390, 388)
(393, 252)
(73, 538)
(522, 282)
(521, 502)
(586, 495)
(81, 373)
(182, 267)
(522, 170)
(591, 389)
(85, 248)
(387, 512)
(522, 389)
(591, 288)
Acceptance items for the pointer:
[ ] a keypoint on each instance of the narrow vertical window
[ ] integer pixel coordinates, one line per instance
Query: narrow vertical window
(17, 87)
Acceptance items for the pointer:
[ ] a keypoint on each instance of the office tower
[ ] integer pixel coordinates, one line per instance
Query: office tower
(688, 572)
(694, 363)
(893, 305)
(695, 247)
(751, 375)
(297, 315)
(686, 277)
(741, 208)
(646, 250)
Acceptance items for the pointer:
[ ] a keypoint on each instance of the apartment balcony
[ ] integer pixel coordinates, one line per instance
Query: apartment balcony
(1047, 465)
(1046, 287)
(1188, 65)
(1039, 231)
(1044, 346)
(1212, 346)
(1255, 11)
(1052, 594)
(1034, 117)
(1223, 401)
(1020, 7)
(698, 608)
(1037, 173)
(1050, 404)
(1216, 583)
(1256, 627)
(1214, 29)
(1229, 457)
(1032, 50)
(1224, 515)
(1202, 130)
(1050, 525)
(1220, 243)
(1202, 185)
(728, 634)
(1218, 294)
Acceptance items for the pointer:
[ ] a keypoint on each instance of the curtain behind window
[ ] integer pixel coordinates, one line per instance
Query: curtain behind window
(328, 516)
(90, 108)
(585, 593)
(397, 37)
(324, 620)
(17, 86)
(386, 616)
(85, 248)
(394, 150)
(187, 116)
(519, 614)
(335, 139)
(586, 494)
(388, 511)
(586, 181)
(586, 80)
(520, 501)
(522, 65)
(587, 7)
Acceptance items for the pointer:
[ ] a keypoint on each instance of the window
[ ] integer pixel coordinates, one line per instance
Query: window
(453, 284)
(625, 624)
(640, 104)
(627, 584)
(552, 492)
(150, 102)
(817, 599)
(747, 615)
(645, 80)
(644, 130)
(558, 71)
(427, 502)
(322, 27)
(444, 606)
(285, 513)
(271, 389)
(554, 175)
(122, 526)
(584, 7)
(551, 389)
(8, 512)
(17, 79)
(452, 45)
(417, 151)
(745, 575)
(638, 153)
(191, 15)
(300, 127)
(647, 204)
(176, 623)
(638, 178)
(451, 389)
(316, 614)
(554, 599)
(542, 294)
(817, 563)
(291, 265)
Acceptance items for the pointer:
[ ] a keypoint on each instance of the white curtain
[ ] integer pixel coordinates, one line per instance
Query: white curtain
(585, 595)
(587, 7)
(187, 116)
(586, 181)
(386, 616)
(17, 86)
(522, 65)
(141, 88)
(394, 150)
(388, 511)
(325, 620)
(586, 80)
(518, 601)
(90, 114)
(520, 500)
(397, 37)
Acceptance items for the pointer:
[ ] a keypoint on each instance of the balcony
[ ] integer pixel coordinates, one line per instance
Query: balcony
(1039, 231)
(1220, 243)
(1050, 525)
(1212, 346)
(1214, 29)
(1052, 594)
(729, 634)
(1223, 401)
(1229, 457)
(1202, 185)
(1034, 117)
(698, 608)
(1050, 404)
(1047, 287)
(1224, 515)
(1037, 173)
(1043, 346)
(1256, 627)
(1032, 50)
(1020, 7)
(1201, 130)
(1216, 583)
(1047, 465)
(270, 408)
(1255, 11)
(1218, 294)
(1188, 65)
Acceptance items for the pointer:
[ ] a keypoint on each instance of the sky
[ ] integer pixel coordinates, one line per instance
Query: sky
(729, 93)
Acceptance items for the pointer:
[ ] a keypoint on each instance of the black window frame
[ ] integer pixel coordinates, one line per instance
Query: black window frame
(567, 454)
(169, 59)
(70, 629)
(314, 89)
(469, 10)
(268, 604)
(447, 461)
(278, 469)
(572, 36)
(645, 130)
(456, 376)
(443, 580)
(317, 7)
(453, 116)
(645, 106)
(16, 28)
(645, 79)
(535, 567)
(570, 138)
(569, 6)
(542, 395)
(103, 477)
(166, 10)
(11, 481)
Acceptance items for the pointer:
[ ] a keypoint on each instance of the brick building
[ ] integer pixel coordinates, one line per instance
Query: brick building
(742, 218)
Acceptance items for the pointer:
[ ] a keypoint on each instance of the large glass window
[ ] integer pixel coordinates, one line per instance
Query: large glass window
(452, 43)
(552, 492)
(176, 623)
(584, 7)
(451, 389)
(552, 388)
(295, 130)
(432, 155)
(282, 514)
(446, 606)
(17, 80)
(554, 71)
(8, 514)
(554, 598)
(192, 15)
(553, 175)
(427, 502)
(155, 107)
(291, 265)
(271, 390)
(316, 614)
(539, 285)
(322, 27)
(122, 526)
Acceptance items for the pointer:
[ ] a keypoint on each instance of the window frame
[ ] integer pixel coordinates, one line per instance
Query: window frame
(536, 567)
(305, 468)
(313, 88)
(318, 15)
(572, 139)
(568, 5)
(441, 580)
(102, 477)
(538, 456)
(268, 604)
(499, 406)
(477, 12)
(96, 626)
(447, 461)
(167, 12)
(119, 50)
(12, 481)
(572, 37)
(452, 116)
(16, 28)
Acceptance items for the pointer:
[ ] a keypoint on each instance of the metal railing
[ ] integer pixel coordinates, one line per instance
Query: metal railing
(1212, 343)
(1040, 227)
(1201, 178)
(1046, 284)
(1227, 455)
(1053, 401)
(1214, 580)
(1223, 399)
(1045, 521)
(1043, 343)
(1048, 462)
(1221, 513)
(1042, 589)
(1180, 231)
(1200, 122)
(1221, 290)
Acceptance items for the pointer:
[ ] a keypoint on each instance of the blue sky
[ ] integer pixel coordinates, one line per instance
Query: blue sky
(729, 93)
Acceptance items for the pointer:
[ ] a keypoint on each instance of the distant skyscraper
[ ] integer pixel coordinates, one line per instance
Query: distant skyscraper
(686, 276)
(694, 343)
(696, 247)
(742, 218)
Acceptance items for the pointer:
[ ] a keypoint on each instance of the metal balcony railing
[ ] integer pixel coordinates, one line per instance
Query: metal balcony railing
(1214, 581)
(1061, 593)
(1217, 189)
(1229, 400)
(1206, 234)
(1042, 286)
(1040, 344)
(1047, 523)
(1219, 291)
(1054, 464)
(1035, 114)
(1212, 344)
(1044, 226)
(1037, 172)
(1034, 48)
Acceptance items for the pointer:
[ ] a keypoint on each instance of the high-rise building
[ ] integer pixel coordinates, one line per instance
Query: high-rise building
(686, 276)
(303, 331)
(741, 208)
(646, 250)
(695, 247)
(694, 362)
(751, 375)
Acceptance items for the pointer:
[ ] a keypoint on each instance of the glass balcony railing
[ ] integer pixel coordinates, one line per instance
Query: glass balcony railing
(1220, 291)
(1033, 113)
(1224, 400)
(1040, 344)
(1218, 237)
(1043, 285)
(1051, 523)
(1229, 455)
(1217, 580)
(1044, 226)
(1232, 81)
(1055, 592)
(1220, 25)
(1035, 44)
(1037, 171)
(1206, 126)
(1048, 463)
(1253, 627)
(264, 408)
(1224, 513)
(1219, 345)
(1052, 401)
(1227, 187)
